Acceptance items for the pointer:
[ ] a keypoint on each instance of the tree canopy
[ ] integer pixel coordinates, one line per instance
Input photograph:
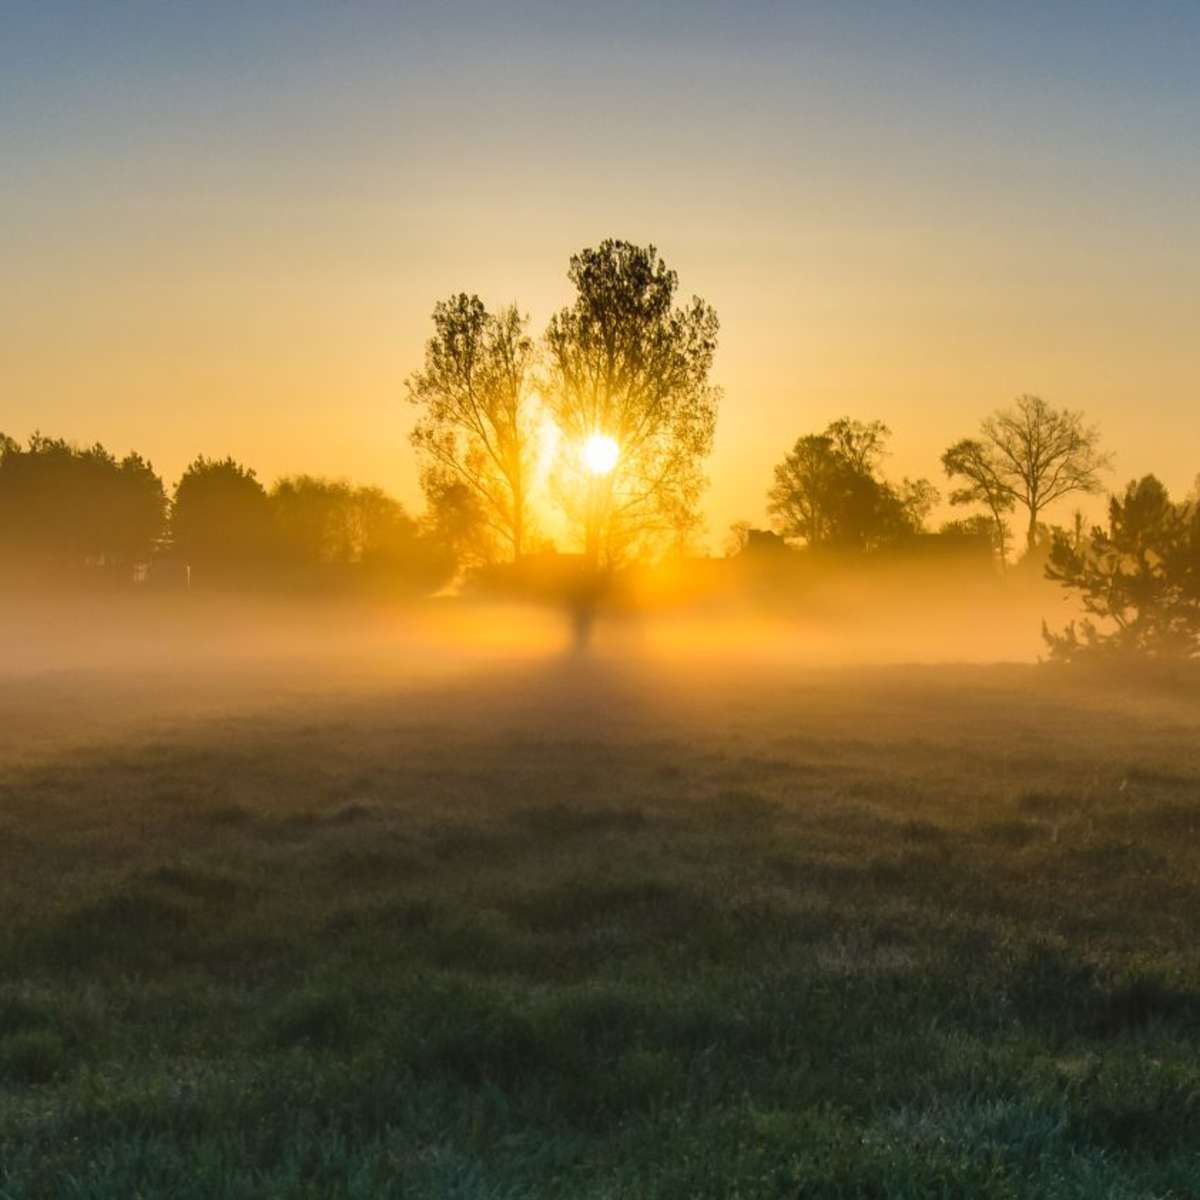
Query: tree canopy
(1138, 580)
(221, 519)
(326, 526)
(626, 362)
(63, 506)
(476, 428)
(828, 492)
(1028, 455)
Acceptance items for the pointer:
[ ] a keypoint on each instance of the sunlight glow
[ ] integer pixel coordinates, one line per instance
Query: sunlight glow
(600, 454)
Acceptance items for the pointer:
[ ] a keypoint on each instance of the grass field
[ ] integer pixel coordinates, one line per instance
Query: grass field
(598, 928)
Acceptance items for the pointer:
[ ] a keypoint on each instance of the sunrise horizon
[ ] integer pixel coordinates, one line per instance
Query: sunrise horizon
(599, 601)
(234, 228)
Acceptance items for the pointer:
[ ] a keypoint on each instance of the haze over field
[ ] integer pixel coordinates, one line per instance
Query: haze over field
(599, 601)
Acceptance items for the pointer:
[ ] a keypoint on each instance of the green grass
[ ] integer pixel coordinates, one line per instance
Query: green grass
(589, 931)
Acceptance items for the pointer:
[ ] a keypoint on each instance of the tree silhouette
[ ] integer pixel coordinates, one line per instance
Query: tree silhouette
(315, 521)
(1140, 577)
(626, 363)
(221, 520)
(827, 492)
(455, 523)
(979, 526)
(136, 513)
(1030, 454)
(333, 533)
(62, 506)
(476, 424)
(382, 532)
(969, 460)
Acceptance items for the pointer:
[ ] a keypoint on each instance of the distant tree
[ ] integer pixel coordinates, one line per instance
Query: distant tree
(969, 460)
(828, 494)
(1140, 578)
(221, 519)
(361, 532)
(981, 528)
(862, 444)
(1029, 455)
(454, 521)
(136, 514)
(978, 526)
(737, 539)
(392, 548)
(918, 498)
(315, 521)
(61, 505)
(381, 529)
(476, 428)
(625, 362)
(812, 487)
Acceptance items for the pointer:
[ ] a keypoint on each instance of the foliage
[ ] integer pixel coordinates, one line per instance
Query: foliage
(476, 429)
(1140, 577)
(625, 361)
(62, 506)
(978, 526)
(325, 524)
(1030, 455)
(316, 520)
(221, 520)
(828, 492)
(969, 460)
(454, 520)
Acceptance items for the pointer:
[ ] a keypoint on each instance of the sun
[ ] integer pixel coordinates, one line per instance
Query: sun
(600, 454)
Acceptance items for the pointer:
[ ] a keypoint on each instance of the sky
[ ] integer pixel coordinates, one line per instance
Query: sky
(223, 226)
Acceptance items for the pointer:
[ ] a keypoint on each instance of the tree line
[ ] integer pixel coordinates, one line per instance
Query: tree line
(829, 490)
(504, 421)
(66, 510)
(1136, 578)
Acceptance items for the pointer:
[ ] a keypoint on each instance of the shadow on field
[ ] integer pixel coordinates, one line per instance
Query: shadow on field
(595, 929)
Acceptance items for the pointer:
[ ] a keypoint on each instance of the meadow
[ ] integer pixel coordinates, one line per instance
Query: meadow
(596, 926)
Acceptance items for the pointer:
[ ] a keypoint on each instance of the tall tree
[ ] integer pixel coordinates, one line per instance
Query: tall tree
(625, 362)
(221, 519)
(1029, 455)
(827, 491)
(476, 424)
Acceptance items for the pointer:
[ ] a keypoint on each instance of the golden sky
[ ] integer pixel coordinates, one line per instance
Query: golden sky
(224, 233)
